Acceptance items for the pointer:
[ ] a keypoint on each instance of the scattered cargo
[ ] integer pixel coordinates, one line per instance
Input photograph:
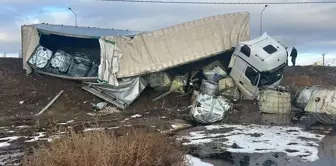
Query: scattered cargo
(210, 109)
(318, 104)
(274, 101)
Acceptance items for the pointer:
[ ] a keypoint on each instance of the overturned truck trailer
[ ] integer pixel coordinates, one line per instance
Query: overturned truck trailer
(116, 58)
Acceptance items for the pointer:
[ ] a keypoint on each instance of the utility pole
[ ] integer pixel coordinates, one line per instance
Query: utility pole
(261, 24)
(323, 58)
(74, 14)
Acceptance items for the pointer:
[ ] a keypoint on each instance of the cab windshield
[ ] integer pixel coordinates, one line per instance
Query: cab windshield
(270, 77)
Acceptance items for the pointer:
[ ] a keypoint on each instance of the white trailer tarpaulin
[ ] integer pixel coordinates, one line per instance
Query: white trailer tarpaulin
(173, 46)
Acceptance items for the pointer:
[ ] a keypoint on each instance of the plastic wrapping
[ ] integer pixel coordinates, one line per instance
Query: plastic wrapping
(302, 96)
(322, 101)
(122, 95)
(274, 101)
(159, 81)
(61, 61)
(209, 87)
(232, 94)
(209, 109)
(225, 83)
(41, 57)
(214, 71)
(79, 67)
(93, 72)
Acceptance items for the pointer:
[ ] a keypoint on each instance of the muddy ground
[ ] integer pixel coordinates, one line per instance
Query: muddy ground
(22, 96)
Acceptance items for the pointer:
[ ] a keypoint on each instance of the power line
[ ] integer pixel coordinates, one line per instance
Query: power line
(224, 3)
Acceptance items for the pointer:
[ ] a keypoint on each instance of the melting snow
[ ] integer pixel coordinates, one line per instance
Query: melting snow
(67, 122)
(22, 127)
(136, 116)
(125, 120)
(196, 161)
(93, 129)
(9, 156)
(7, 140)
(36, 138)
(259, 139)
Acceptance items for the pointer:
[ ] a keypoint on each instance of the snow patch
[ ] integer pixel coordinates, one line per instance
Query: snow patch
(38, 137)
(125, 120)
(136, 116)
(93, 129)
(196, 161)
(5, 141)
(67, 122)
(22, 127)
(116, 127)
(259, 139)
(5, 159)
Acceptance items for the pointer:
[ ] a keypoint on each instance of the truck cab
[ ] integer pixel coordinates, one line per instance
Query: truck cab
(256, 63)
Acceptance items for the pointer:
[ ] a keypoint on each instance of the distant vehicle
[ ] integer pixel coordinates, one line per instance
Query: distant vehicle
(256, 63)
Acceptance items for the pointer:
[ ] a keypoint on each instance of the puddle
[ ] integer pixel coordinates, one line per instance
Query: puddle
(266, 159)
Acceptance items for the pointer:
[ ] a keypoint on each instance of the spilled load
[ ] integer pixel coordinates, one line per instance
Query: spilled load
(318, 103)
(275, 100)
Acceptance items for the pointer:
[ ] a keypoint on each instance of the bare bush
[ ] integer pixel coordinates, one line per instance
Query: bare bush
(136, 148)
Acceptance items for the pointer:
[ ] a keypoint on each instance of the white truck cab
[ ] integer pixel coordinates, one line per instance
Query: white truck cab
(256, 63)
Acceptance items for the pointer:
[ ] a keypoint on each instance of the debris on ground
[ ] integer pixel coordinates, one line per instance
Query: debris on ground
(99, 106)
(50, 103)
(106, 110)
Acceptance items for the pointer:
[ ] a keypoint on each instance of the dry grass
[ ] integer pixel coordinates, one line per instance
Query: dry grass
(137, 148)
(296, 82)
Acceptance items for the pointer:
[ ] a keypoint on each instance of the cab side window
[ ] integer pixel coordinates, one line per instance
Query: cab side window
(252, 75)
(246, 50)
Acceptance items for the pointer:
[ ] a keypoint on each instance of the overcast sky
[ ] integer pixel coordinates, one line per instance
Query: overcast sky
(309, 27)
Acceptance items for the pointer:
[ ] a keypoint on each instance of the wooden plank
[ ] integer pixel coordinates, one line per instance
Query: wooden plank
(50, 103)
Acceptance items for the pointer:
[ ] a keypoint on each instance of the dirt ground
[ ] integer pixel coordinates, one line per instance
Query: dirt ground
(36, 91)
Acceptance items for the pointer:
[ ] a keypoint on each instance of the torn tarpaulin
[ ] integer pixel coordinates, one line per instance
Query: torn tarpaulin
(121, 96)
